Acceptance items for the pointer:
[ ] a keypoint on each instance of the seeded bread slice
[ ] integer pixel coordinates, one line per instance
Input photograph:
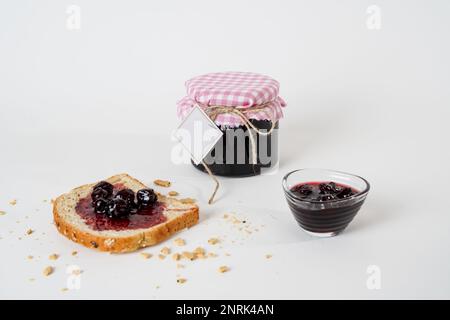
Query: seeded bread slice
(71, 225)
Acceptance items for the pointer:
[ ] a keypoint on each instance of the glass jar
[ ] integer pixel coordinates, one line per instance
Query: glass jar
(232, 155)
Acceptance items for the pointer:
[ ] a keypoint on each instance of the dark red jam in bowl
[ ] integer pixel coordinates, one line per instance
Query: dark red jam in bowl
(324, 208)
(144, 218)
(323, 191)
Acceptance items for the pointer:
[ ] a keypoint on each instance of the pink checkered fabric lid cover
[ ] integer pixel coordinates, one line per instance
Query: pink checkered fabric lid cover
(232, 89)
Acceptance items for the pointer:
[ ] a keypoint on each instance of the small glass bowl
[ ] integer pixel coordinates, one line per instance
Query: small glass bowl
(324, 219)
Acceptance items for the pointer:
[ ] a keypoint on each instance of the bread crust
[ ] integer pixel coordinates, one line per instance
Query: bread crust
(122, 244)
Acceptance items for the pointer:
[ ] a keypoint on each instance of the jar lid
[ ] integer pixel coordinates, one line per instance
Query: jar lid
(233, 89)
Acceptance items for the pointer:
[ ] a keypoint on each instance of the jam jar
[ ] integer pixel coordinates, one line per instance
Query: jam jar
(259, 109)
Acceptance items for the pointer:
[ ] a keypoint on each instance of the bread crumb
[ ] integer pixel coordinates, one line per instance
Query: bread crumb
(74, 253)
(179, 242)
(236, 220)
(13, 202)
(176, 256)
(199, 250)
(2, 213)
(223, 269)
(200, 253)
(189, 255)
(212, 255)
(181, 280)
(47, 271)
(225, 216)
(77, 272)
(187, 200)
(213, 241)
(161, 256)
(268, 256)
(227, 254)
(29, 231)
(30, 257)
(162, 183)
(201, 256)
(173, 193)
(165, 251)
(180, 266)
(53, 256)
(146, 255)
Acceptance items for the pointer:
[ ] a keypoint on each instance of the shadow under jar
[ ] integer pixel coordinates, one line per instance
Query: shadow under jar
(255, 96)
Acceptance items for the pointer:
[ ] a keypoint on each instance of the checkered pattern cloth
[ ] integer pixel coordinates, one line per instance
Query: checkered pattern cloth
(233, 89)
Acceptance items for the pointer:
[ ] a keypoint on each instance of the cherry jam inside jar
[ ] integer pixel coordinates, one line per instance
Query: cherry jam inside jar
(232, 154)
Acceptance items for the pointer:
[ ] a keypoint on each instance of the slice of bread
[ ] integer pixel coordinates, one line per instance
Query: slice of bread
(71, 225)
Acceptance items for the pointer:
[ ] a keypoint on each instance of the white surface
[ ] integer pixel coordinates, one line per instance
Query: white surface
(78, 106)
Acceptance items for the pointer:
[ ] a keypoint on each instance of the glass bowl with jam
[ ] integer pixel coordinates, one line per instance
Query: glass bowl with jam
(324, 202)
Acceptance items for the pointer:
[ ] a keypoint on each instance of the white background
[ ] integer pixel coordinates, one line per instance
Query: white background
(77, 106)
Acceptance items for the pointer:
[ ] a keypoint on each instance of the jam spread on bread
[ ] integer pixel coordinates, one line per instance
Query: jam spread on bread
(115, 207)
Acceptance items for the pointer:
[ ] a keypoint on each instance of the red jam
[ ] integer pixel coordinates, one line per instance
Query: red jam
(324, 207)
(323, 191)
(145, 218)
